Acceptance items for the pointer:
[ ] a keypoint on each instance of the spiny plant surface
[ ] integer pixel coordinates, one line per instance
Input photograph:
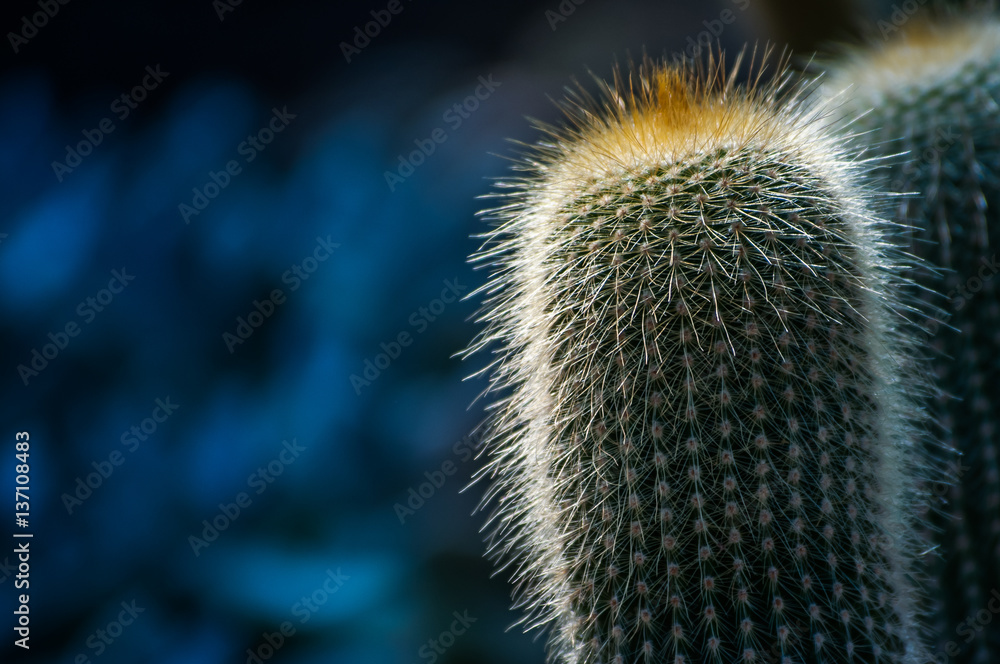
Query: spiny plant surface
(703, 454)
(927, 102)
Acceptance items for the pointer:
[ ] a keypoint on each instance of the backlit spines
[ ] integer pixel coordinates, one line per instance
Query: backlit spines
(704, 454)
(927, 103)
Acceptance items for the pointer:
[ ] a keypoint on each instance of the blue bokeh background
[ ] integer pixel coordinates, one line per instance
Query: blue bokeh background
(331, 510)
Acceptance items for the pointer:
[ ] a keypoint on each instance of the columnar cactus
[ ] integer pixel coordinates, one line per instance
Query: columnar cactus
(705, 452)
(927, 103)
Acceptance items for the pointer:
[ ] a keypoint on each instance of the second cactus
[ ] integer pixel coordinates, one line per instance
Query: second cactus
(926, 102)
(704, 451)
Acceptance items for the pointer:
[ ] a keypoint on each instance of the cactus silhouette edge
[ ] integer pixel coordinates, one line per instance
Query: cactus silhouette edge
(704, 443)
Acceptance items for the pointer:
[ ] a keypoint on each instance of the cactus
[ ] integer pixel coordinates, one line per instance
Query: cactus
(927, 103)
(705, 450)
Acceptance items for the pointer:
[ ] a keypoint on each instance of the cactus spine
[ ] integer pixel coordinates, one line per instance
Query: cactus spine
(702, 454)
(928, 103)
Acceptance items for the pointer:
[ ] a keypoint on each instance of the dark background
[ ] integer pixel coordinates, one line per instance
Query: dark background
(331, 508)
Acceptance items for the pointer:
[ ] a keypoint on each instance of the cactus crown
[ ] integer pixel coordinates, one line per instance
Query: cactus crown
(701, 455)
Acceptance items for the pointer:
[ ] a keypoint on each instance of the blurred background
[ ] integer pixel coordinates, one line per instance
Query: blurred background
(232, 250)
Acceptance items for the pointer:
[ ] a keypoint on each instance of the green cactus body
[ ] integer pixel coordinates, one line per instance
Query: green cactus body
(703, 456)
(928, 103)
